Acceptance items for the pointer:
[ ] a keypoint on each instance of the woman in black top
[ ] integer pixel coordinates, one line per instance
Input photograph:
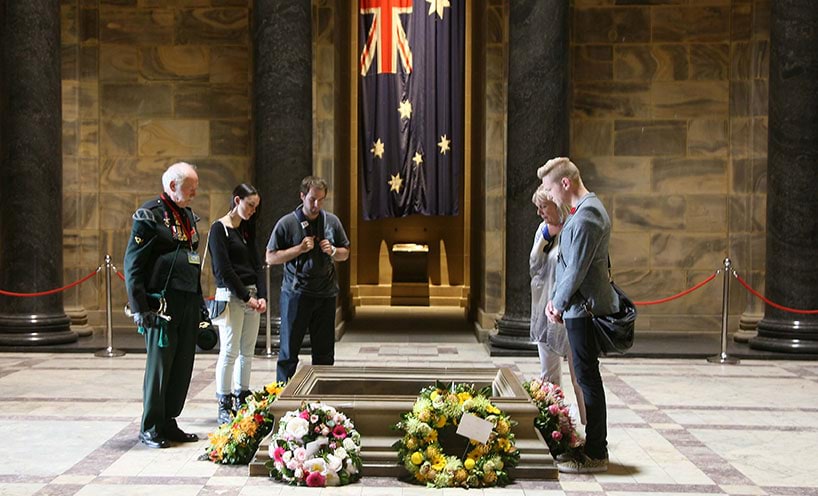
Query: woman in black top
(237, 268)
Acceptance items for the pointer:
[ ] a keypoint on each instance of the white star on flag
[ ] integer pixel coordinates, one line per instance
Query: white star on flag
(417, 159)
(438, 6)
(377, 148)
(405, 109)
(444, 145)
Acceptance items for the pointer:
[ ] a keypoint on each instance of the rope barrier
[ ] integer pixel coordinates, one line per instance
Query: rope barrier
(120, 275)
(677, 295)
(52, 291)
(771, 303)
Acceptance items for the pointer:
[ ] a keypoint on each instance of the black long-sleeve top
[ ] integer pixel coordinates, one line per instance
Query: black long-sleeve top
(235, 260)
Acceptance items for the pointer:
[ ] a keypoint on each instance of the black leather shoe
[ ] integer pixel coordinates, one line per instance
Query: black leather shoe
(179, 436)
(153, 440)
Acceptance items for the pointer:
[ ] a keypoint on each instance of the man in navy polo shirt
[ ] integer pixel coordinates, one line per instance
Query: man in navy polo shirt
(308, 241)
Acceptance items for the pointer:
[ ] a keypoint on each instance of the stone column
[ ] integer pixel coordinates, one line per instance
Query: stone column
(792, 205)
(282, 114)
(537, 131)
(31, 174)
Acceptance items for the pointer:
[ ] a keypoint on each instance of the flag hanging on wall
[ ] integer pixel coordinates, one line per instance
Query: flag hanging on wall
(411, 117)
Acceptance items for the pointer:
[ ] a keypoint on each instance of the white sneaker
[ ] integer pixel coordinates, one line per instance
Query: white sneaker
(583, 464)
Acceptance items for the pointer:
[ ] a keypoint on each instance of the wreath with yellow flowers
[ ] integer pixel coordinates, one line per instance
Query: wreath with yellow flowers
(236, 442)
(428, 448)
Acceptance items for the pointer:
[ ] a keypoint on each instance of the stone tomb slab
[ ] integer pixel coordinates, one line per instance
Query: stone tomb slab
(375, 397)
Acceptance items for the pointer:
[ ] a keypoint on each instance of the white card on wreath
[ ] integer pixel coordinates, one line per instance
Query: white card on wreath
(473, 427)
(313, 446)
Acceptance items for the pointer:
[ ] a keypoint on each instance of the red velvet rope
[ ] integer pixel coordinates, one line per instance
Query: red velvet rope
(51, 291)
(678, 295)
(767, 301)
(120, 275)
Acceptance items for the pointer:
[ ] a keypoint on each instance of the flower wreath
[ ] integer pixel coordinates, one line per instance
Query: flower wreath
(236, 442)
(437, 408)
(315, 445)
(554, 422)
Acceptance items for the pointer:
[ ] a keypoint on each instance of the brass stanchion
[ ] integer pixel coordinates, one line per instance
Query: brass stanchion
(268, 352)
(723, 357)
(110, 351)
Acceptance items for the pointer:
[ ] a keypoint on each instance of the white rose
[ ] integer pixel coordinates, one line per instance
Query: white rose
(333, 479)
(297, 427)
(316, 465)
(350, 445)
(350, 467)
(341, 453)
(287, 456)
(334, 463)
(298, 474)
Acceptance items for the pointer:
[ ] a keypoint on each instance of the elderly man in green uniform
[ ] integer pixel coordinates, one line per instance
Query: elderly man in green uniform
(162, 275)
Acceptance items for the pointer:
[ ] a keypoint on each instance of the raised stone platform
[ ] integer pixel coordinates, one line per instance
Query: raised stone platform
(375, 397)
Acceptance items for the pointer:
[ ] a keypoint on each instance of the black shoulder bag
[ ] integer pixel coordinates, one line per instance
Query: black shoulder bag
(614, 332)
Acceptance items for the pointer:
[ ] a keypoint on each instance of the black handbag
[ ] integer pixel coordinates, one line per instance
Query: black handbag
(615, 332)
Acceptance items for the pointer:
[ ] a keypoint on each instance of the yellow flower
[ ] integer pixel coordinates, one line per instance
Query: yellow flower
(460, 475)
(432, 452)
(438, 463)
(502, 427)
(431, 438)
(434, 395)
(469, 463)
(492, 409)
(441, 421)
(417, 458)
(489, 477)
(463, 396)
(424, 416)
(411, 443)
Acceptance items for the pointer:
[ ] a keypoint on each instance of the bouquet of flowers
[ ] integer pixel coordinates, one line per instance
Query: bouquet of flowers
(237, 441)
(554, 422)
(316, 446)
(441, 407)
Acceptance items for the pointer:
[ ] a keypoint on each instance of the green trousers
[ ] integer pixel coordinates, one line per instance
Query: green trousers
(168, 370)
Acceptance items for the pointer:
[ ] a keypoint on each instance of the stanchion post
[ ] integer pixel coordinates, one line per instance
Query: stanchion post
(268, 352)
(109, 352)
(723, 357)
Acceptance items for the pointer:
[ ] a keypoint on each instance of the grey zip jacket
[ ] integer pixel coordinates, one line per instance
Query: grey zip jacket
(582, 266)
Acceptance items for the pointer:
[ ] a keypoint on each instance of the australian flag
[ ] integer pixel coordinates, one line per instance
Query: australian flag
(411, 106)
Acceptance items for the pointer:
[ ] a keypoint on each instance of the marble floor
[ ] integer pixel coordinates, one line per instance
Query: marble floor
(69, 425)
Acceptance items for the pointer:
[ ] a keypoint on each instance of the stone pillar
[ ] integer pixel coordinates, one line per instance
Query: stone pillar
(792, 205)
(537, 131)
(31, 174)
(282, 114)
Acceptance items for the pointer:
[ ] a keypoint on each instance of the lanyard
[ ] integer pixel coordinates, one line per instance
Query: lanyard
(181, 218)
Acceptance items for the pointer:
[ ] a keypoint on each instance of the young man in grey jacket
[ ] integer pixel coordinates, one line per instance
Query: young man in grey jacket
(582, 284)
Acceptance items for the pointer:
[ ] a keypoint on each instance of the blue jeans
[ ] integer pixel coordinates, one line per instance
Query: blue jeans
(300, 313)
(585, 351)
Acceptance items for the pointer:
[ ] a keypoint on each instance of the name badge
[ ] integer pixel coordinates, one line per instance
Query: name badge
(193, 258)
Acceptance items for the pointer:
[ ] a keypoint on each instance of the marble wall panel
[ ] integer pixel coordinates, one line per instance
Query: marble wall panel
(117, 210)
(706, 213)
(88, 94)
(709, 61)
(688, 251)
(175, 62)
(69, 63)
(69, 24)
(133, 174)
(645, 283)
(89, 171)
(89, 25)
(593, 62)
(761, 19)
(689, 99)
(707, 138)
(613, 175)
(89, 138)
(591, 137)
(621, 25)
(741, 21)
(230, 137)
(629, 250)
(70, 132)
(89, 63)
(118, 63)
(229, 64)
(143, 100)
(136, 26)
(739, 213)
(224, 173)
(699, 23)
(634, 62)
(211, 101)
(611, 99)
(70, 173)
(174, 137)
(219, 26)
(705, 175)
(748, 137)
(647, 212)
(118, 137)
(672, 62)
(650, 138)
(70, 209)
(89, 211)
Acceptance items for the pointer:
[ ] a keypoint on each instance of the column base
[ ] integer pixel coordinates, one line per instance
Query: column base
(786, 336)
(36, 330)
(79, 320)
(513, 338)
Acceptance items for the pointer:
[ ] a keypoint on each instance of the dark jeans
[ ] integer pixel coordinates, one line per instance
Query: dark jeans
(585, 350)
(298, 314)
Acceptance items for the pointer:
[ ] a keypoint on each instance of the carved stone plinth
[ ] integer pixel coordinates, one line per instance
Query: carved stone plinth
(375, 397)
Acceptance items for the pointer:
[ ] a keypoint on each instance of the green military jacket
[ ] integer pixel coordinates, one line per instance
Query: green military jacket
(160, 246)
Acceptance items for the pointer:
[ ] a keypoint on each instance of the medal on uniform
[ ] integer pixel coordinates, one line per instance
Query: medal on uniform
(193, 258)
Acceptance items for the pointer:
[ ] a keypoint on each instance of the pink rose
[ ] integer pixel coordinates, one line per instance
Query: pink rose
(553, 409)
(556, 435)
(314, 418)
(304, 415)
(315, 479)
(300, 454)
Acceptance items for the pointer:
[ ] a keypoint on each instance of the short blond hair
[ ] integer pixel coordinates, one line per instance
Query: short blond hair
(557, 168)
(541, 196)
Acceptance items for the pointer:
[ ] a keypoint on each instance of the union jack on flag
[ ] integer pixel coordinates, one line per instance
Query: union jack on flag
(411, 113)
